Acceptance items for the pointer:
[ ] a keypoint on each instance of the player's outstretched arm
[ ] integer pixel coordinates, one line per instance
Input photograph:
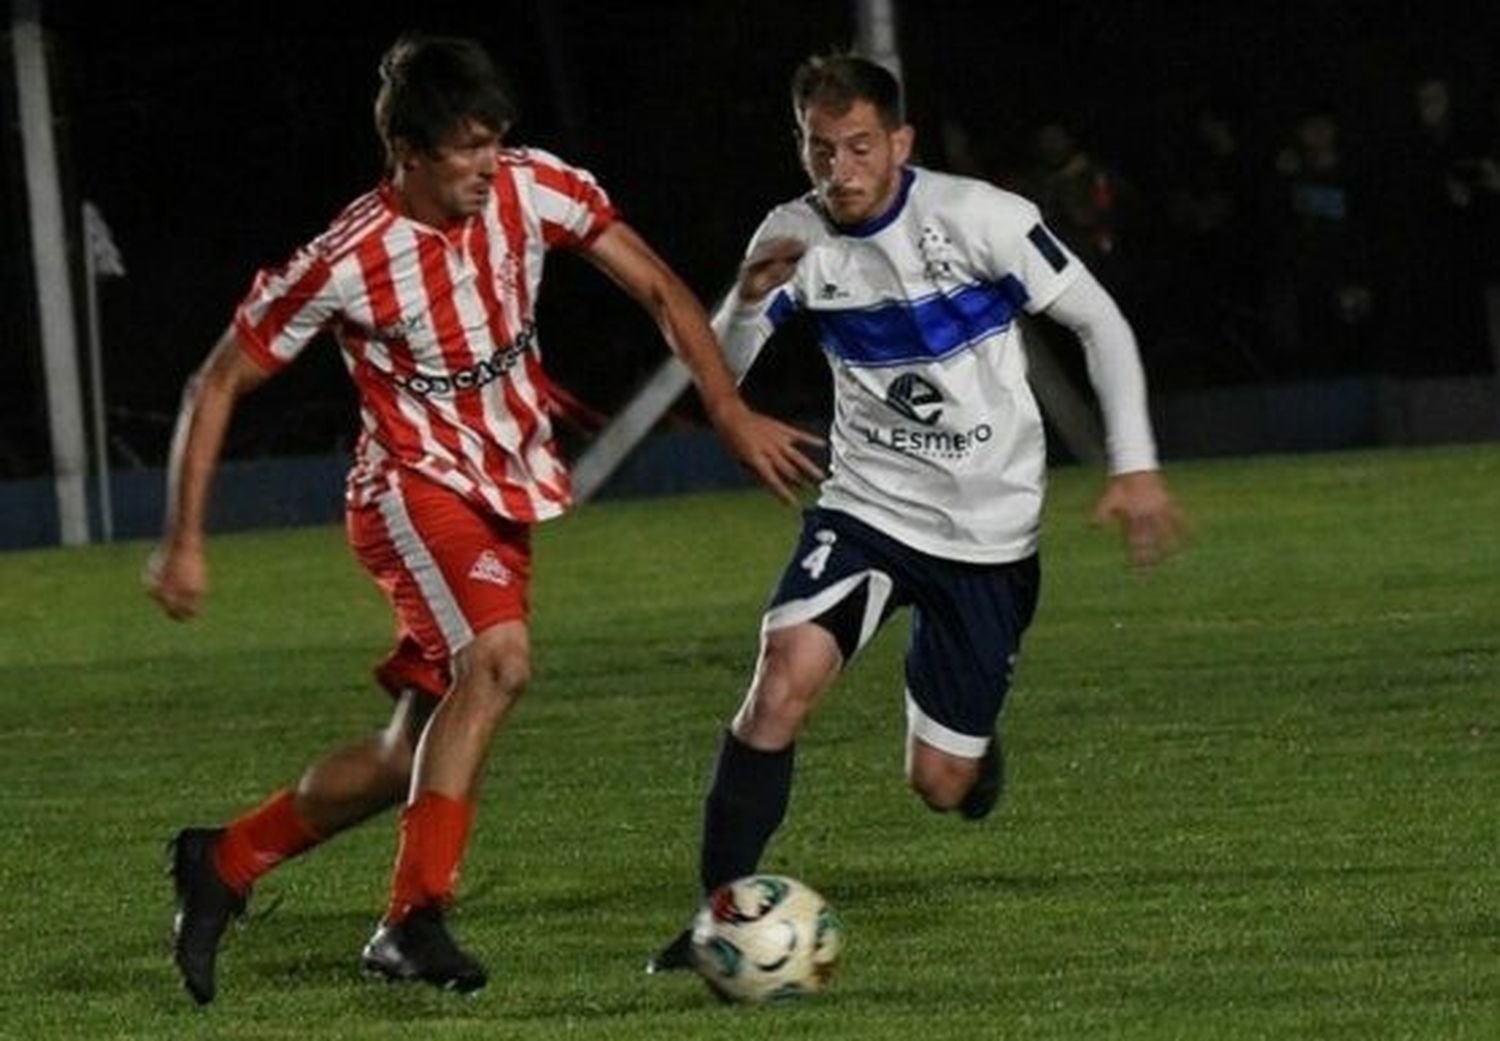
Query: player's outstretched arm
(770, 449)
(1150, 519)
(1137, 495)
(177, 571)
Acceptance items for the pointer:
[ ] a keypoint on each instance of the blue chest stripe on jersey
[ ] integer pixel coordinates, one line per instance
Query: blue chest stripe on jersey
(903, 331)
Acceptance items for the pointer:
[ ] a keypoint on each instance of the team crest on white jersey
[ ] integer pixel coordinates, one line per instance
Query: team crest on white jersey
(938, 254)
(489, 568)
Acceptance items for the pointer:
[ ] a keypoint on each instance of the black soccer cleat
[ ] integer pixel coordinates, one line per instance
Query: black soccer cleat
(676, 956)
(205, 904)
(419, 947)
(985, 792)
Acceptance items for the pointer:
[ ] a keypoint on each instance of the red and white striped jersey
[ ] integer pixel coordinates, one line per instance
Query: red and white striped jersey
(437, 331)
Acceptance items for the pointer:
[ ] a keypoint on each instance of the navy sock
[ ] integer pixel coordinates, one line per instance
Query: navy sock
(746, 803)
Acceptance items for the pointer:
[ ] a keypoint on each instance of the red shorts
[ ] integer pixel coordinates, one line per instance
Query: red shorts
(449, 570)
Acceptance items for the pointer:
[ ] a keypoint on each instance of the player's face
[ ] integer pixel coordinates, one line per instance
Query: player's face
(854, 160)
(454, 180)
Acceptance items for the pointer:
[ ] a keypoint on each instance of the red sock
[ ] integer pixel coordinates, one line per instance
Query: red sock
(434, 832)
(257, 841)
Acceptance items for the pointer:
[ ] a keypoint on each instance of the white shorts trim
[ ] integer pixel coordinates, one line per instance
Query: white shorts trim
(796, 612)
(424, 570)
(929, 731)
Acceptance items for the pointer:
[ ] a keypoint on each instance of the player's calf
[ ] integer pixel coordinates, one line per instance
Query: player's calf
(988, 785)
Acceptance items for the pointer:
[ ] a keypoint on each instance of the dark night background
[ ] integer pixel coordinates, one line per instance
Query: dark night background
(216, 137)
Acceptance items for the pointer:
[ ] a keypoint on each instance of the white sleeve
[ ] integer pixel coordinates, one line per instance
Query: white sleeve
(1114, 365)
(743, 329)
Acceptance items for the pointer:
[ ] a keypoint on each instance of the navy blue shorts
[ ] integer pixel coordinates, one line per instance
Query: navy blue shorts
(967, 620)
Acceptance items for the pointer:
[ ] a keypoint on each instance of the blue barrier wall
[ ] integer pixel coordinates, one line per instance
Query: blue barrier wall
(1300, 417)
(247, 494)
(299, 490)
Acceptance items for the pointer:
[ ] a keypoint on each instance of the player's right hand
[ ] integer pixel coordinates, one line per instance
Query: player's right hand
(768, 448)
(177, 579)
(772, 263)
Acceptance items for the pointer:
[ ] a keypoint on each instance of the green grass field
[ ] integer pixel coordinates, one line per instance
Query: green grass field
(1252, 794)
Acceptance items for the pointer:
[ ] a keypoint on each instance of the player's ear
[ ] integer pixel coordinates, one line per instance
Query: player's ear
(799, 135)
(403, 155)
(902, 139)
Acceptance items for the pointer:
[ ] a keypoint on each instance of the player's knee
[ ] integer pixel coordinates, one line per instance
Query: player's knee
(942, 784)
(498, 679)
(494, 670)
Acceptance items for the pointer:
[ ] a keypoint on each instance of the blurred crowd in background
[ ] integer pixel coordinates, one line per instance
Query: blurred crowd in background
(1326, 251)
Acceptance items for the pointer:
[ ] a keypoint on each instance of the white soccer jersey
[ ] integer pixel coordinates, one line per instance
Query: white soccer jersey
(437, 331)
(936, 438)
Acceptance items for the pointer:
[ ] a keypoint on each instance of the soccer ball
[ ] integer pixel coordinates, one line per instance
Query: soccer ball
(765, 937)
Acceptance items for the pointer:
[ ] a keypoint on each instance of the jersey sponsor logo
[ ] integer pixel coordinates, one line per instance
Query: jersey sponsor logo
(909, 393)
(475, 376)
(490, 568)
(931, 444)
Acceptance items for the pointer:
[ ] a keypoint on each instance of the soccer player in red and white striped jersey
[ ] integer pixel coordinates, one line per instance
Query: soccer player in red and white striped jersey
(429, 284)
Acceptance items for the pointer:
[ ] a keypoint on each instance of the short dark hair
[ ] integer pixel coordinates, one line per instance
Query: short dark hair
(430, 84)
(838, 80)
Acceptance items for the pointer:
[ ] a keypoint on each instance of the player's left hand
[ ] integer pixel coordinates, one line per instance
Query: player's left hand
(1153, 525)
(769, 448)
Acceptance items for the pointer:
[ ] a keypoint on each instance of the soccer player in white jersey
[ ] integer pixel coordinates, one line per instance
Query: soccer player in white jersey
(914, 281)
(429, 284)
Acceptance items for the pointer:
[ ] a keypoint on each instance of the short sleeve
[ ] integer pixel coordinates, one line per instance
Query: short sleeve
(573, 208)
(286, 307)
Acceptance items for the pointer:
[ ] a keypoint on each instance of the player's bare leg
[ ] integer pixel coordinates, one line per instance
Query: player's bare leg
(946, 781)
(213, 868)
(356, 782)
(488, 676)
(796, 665)
(752, 781)
(412, 941)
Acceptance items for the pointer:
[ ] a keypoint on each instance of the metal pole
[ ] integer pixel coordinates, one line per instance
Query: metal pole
(629, 428)
(875, 31)
(54, 291)
(96, 398)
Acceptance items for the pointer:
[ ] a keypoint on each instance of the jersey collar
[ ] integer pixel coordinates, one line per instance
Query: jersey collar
(874, 225)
